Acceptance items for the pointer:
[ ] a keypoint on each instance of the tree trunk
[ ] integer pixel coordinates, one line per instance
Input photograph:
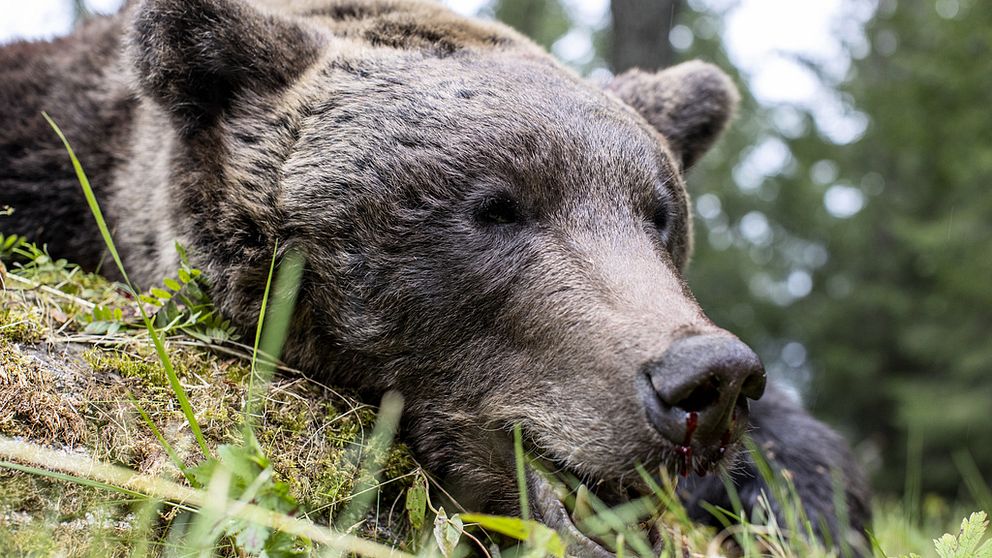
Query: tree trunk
(640, 33)
(80, 12)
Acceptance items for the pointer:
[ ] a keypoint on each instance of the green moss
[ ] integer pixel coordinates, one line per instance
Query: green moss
(126, 364)
(399, 462)
(82, 395)
(13, 363)
(21, 324)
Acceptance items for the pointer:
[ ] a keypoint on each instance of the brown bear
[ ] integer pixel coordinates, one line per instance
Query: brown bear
(485, 232)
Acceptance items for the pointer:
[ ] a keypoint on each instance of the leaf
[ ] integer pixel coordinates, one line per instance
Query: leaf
(538, 537)
(447, 532)
(161, 294)
(416, 503)
(252, 538)
(965, 545)
(172, 283)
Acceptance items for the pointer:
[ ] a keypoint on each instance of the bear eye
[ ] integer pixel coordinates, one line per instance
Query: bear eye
(501, 210)
(661, 218)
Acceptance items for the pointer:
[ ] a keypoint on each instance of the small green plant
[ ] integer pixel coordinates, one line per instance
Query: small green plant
(183, 305)
(248, 477)
(967, 543)
(9, 245)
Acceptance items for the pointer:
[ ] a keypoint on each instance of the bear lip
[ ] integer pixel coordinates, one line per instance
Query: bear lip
(547, 496)
(551, 511)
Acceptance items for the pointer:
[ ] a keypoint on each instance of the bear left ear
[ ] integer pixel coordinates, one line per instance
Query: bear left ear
(194, 57)
(690, 104)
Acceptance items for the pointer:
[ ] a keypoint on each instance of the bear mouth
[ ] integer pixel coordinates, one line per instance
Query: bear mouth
(554, 506)
(588, 516)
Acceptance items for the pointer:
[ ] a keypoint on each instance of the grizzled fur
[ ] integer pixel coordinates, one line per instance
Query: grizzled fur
(485, 232)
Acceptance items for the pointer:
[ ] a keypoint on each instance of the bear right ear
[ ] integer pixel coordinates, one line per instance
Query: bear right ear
(689, 104)
(194, 57)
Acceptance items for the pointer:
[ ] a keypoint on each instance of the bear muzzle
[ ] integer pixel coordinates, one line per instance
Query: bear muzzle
(696, 396)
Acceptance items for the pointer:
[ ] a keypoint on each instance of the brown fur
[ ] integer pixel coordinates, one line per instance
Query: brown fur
(485, 232)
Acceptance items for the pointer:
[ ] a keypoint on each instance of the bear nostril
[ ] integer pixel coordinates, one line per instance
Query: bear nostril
(754, 385)
(701, 397)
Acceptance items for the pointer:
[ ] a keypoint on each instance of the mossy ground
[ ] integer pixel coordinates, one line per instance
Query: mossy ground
(67, 389)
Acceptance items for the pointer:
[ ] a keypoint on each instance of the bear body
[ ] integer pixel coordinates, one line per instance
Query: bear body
(486, 233)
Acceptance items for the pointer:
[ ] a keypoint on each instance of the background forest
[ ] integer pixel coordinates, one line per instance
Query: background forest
(846, 236)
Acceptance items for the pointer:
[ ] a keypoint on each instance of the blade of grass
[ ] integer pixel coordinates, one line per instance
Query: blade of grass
(89, 472)
(667, 499)
(386, 425)
(974, 480)
(518, 452)
(163, 356)
(741, 535)
(201, 536)
(914, 475)
(173, 456)
(840, 507)
(144, 524)
(69, 478)
(270, 339)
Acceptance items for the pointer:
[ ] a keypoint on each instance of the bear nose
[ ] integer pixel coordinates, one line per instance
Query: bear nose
(698, 390)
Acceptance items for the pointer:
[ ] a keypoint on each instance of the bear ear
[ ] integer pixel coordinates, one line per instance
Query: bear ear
(690, 104)
(194, 57)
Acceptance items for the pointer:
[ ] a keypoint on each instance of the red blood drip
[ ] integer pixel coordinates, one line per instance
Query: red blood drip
(691, 422)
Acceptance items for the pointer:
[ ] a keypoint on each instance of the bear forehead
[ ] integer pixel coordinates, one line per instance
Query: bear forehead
(479, 113)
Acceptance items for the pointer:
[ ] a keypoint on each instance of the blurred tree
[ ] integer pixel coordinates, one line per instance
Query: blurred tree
(906, 343)
(865, 269)
(639, 33)
(79, 10)
(544, 21)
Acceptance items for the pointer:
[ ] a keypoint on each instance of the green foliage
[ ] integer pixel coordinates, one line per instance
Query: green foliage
(966, 543)
(183, 305)
(9, 245)
(539, 540)
(416, 503)
(252, 480)
(447, 532)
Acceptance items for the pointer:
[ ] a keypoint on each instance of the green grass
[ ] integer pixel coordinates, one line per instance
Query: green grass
(196, 445)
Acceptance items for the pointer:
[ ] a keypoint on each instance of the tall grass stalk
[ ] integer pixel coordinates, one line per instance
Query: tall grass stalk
(170, 372)
(273, 323)
(374, 453)
(518, 454)
(914, 475)
(974, 480)
(88, 472)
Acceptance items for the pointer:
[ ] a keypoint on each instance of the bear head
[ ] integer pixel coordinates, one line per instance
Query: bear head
(486, 233)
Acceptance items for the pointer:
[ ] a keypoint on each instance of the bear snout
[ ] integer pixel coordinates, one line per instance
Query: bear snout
(696, 395)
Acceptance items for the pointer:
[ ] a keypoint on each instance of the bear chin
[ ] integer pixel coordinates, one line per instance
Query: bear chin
(551, 487)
